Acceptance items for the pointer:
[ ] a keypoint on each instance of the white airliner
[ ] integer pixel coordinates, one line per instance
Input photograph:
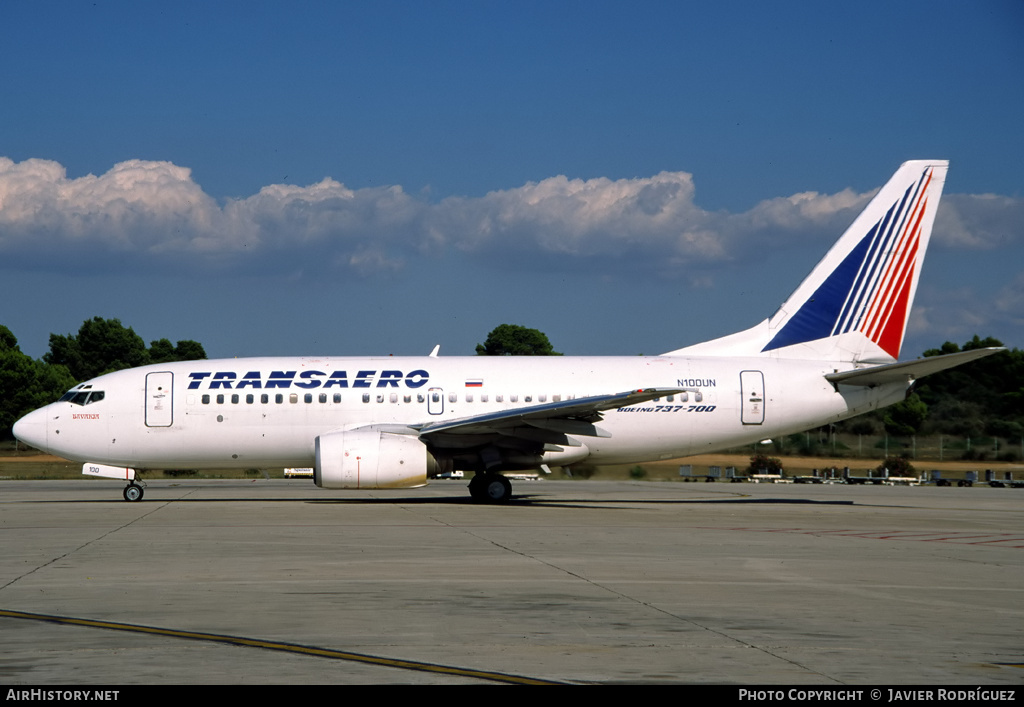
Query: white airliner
(827, 354)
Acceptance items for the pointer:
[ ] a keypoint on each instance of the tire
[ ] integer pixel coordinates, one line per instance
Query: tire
(133, 492)
(490, 488)
(498, 489)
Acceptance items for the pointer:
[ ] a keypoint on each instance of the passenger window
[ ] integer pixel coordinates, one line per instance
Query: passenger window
(394, 397)
(406, 398)
(366, 397)
(337, 397)
(453, 398)
(380, 398)
(293, 398)
(528, 399)
(542, 398)
(323, 397)
(234, 399)
(556, 398)
(206, 400)
(499, 398)
(483, 398)
(308, 397)
(513, 398)
(250, 399)
(279, 398)
(469, 397)
(220, 399)
(264, 398)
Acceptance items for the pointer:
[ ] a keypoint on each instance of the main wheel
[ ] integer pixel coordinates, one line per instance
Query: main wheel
(498, 489)
(490, 488)
(133, 492)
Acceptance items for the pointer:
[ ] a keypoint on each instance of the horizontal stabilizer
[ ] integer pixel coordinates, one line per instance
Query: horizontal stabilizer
(908, 370)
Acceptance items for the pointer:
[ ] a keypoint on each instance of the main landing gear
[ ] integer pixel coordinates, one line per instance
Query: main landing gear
(133, 492)
(490, 487)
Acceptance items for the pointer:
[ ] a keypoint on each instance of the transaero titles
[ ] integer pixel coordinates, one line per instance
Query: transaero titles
(258, 380)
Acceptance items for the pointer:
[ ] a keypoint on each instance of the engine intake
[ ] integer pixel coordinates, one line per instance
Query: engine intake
(367, 458)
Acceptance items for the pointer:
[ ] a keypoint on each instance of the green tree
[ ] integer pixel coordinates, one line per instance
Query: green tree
(26, 384)
(515, 340)
(905, 417)
(188, 350)
(988, 393)
(101, 346)
(896, 466)
(763, 464)
(163, 351)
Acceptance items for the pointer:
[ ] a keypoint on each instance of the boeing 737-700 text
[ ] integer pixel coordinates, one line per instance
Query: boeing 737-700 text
(830, 352)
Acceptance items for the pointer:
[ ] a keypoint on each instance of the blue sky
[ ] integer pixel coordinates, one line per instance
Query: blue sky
(379, 177)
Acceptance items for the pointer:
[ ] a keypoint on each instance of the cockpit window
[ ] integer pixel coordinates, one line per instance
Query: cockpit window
(82, 397)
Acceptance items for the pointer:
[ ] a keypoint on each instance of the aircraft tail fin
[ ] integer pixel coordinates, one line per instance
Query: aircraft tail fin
(855, 303)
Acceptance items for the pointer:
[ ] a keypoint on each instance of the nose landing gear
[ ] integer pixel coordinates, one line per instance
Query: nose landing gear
(133, 492)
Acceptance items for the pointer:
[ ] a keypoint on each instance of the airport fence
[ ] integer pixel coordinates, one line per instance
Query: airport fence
(825, 443)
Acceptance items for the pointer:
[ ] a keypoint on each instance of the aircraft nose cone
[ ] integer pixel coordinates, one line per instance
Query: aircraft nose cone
(31, 429)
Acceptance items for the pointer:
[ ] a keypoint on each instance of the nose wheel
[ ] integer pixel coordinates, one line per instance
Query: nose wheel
(133, 492)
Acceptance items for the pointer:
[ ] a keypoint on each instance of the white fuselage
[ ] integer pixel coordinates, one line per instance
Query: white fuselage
(268, 412)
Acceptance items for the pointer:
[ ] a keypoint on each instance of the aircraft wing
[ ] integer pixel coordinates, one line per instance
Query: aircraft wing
(907, 370)
(548, 422)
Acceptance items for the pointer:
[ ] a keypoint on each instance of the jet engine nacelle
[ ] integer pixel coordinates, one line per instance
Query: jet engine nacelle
(367, 458)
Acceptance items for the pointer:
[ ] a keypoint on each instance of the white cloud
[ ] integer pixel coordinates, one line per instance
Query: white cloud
(958, 313)
(154, 212)
(574, 217)
(137, 204)
(953, 314)
(651, 218)
(1009, 301)
(979, 221)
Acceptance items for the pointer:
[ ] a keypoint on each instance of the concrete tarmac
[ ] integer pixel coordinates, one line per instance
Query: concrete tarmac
(250, 582)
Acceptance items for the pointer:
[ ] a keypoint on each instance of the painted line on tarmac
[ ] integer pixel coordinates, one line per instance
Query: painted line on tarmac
(285, 647)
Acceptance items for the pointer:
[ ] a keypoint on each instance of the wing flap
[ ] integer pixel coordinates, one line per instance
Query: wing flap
(546, 421)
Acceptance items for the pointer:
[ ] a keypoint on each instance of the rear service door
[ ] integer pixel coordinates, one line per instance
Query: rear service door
(752, 392)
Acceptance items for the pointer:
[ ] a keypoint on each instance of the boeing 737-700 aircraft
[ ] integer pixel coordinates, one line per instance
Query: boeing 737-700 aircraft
(827, 354)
